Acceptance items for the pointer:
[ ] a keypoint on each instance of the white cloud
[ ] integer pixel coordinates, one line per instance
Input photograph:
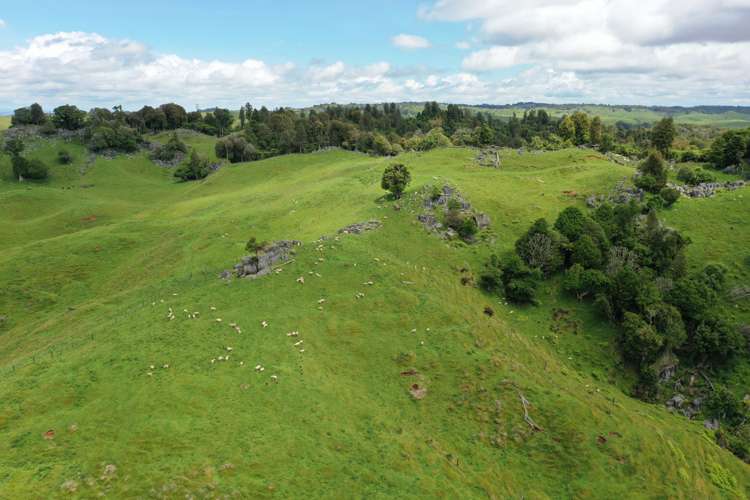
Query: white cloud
(492, 58)
(594, 65)
(2, 23)
(699, 52)
(463, 45)
(410, 42)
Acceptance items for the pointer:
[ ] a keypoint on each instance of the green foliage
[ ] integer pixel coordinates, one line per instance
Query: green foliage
(254, 246)
(729, 148)
(33, 115)
(669, 195)
(694, 176)
(235, 149)
(113, 136)
(540, 248)
(586, 252)
(582, 282)
(640, 340)
(171, 149)
(395, 179)
(29, 169)
(653, 174)
(662, 135)
(68, 117)
(64, 157)
(196, 168)
(14, 146)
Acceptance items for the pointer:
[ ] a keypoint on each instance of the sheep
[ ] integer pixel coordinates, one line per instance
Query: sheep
(264, 323)
(298, 343)
(301, 280)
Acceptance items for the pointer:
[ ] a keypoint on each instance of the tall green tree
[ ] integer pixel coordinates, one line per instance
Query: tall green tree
(662, 135)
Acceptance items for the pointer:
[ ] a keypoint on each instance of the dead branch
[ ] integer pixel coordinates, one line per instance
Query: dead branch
(526, 417)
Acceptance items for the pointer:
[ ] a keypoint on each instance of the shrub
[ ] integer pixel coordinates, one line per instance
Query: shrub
(29, 169)
(395, 179)
(48, 129)
(169, 151)
(640, 341)
(64, 157)
(653, 174)
(540, 248)
(519, 281)
(669, 195)
(196, 168)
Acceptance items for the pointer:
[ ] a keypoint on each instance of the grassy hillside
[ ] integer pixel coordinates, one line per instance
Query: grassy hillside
(92, 261)
(4, 122)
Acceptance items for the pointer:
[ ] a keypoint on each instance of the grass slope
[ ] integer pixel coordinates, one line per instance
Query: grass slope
(92, 260)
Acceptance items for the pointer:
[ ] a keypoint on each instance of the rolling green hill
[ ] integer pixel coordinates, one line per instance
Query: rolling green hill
(4, 122)
(104, 395)
(632, 115)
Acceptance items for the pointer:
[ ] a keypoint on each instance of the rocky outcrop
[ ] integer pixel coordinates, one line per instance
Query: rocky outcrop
(252, 266)
(489, 157)
(680, 404)
(707, 189)
(441, 201)
(360, 227)
(620, 194)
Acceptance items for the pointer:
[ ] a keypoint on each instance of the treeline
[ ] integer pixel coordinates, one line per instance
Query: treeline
(380, 129)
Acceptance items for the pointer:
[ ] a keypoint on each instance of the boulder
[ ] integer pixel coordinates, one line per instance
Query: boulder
(711, 424)
(252, 266)
(482, 220)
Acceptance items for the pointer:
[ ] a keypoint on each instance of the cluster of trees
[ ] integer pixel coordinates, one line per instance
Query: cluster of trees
(730, 149)
(634, 269)
(23, 168)
(383, 130)
(652, 177)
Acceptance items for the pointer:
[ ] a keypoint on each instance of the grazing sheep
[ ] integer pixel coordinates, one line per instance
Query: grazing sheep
(301, 280)
(264, 323)
(298, 343)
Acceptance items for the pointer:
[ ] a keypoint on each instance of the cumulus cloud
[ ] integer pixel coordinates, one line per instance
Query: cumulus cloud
(410, 42)
(701, 45)
(463, 45)
(2, 23)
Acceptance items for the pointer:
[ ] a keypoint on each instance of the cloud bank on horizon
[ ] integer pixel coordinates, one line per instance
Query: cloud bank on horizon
(609, 51)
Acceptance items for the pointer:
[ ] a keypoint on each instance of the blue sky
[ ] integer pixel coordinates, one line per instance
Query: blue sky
(287, 52)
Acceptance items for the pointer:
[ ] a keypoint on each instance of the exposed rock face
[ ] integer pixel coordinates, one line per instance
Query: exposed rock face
(360, 227)
(707, 189)
(253, 267)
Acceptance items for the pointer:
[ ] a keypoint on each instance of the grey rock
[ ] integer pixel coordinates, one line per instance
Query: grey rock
(360, 227)
(482, 220)
(711, 424)
(676, 401)
(252, 266)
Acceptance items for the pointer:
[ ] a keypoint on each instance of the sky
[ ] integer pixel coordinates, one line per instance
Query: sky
(299, 53)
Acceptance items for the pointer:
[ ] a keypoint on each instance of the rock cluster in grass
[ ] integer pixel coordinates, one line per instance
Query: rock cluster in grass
(252, 266)
(439, 202)
(619, 159)
(707, 189)
(680, 404)
(620, 194)
(489, 157)
(360, 227)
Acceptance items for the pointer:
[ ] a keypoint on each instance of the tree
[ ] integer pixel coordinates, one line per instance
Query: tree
(242, 118)
(540, 248)
(640, 341)
(33, 115)
(582, 282)
(175, 115)
(68, 117)
(395, 179)
(64, 157)
(581, 124)
(14, 146)
(653, 174)
(223, 119)
(586, 252)
(595, 130)
(196, 168)
(235, 148)
(567, 129)
(519, 281)
(29, 169)
(662, 135)
(255, 246)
